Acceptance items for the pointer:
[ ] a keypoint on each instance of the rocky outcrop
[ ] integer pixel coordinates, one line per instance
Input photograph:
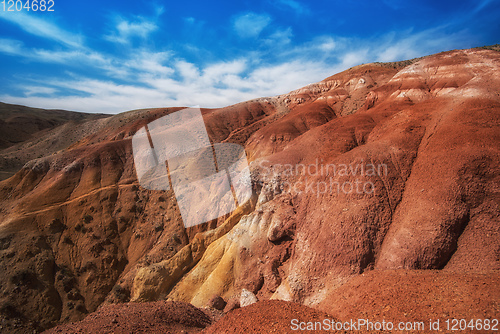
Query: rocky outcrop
(247, 298)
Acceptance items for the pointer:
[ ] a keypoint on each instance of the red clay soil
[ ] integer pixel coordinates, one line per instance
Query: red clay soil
(417, 296)
(270, 316)
(154, 317)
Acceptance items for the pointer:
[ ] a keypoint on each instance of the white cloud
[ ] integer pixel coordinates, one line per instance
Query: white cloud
(56, 56)
(190, 20)
(159, 10)
(126, 30)
(149, 62)
(11, 47)
(406, 45)
(39, 90)
(250, 25)
(141, 29)
(79, 56)
(37, 26)
(280, 37)
(187, 71)
(354, 58)
(223, 69)
(327, 45)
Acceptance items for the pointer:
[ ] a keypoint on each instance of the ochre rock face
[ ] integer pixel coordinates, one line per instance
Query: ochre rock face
(380, 167)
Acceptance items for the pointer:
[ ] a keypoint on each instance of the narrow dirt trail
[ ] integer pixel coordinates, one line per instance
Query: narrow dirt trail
(58, 205)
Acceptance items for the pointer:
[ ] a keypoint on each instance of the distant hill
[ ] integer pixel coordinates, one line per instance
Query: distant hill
(19, 123)
(27, 133)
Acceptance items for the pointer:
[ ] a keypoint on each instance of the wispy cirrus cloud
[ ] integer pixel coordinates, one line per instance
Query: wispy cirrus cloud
(77, 57)
(38, 90)
(481, 5)
(42, 28)
(11, 46)
(409, 44)
(294, 5)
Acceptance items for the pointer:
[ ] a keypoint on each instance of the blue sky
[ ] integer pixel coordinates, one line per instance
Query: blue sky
(113, 56)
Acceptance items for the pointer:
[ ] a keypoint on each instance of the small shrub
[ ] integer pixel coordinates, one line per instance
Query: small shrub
(88, 219)
(176, 238)
(80, 228)
(25, 277)
(121, 293)
(67, 240)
